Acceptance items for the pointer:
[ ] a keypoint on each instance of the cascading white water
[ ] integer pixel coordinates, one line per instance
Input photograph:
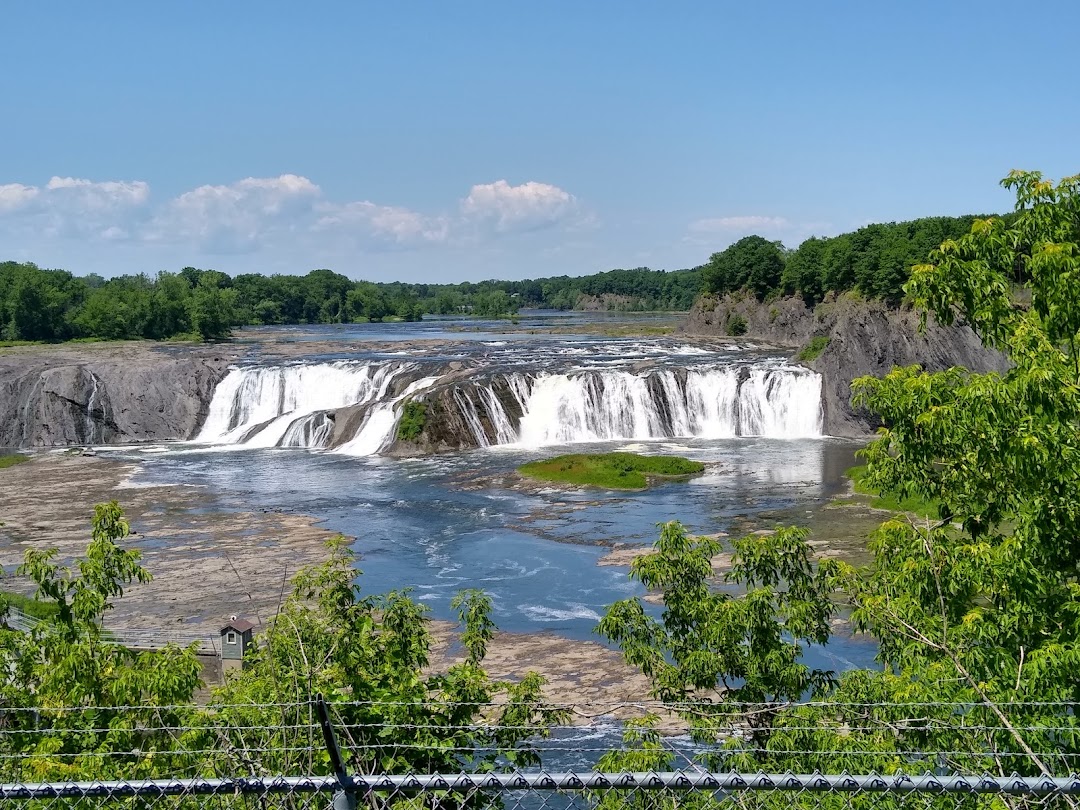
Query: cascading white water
(781, 402)
(377, 429)
(274, 406)
(91, 426)
(285, 406)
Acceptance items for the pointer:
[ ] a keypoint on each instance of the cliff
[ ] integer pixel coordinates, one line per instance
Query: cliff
(105, 393)
(864, 338)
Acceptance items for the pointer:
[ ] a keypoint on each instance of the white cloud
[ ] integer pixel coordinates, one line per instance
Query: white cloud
(236, 217)
(400, 226)
(73, 207)
(507, 208)
(743, 224)
(88, 196)
(271, 213)
(16, 195)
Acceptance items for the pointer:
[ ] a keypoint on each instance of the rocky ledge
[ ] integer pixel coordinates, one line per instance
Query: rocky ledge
(106, 393)
(864, 338)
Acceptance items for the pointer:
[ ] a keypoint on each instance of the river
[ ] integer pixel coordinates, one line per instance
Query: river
(437, 524)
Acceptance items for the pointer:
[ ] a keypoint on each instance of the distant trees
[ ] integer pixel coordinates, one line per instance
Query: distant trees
(874, 260)
(753, 262)
(53, 305)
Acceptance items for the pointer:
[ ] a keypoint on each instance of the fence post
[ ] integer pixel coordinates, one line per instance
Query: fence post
(344, 799)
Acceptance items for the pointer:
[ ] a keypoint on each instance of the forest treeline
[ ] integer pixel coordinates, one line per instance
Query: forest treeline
(54, 305)
(875, 261)
(37, 304)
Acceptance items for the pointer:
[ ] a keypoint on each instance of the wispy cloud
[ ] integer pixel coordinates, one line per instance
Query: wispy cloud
(238, 217)
(737, 224)
(259, 213)
(72, 207)
(719, 232)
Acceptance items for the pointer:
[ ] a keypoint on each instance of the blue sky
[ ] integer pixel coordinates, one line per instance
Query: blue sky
(429, 141)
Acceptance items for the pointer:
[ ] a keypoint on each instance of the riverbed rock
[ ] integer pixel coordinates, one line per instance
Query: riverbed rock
(865, 338)
(457, 417)
(105, 394)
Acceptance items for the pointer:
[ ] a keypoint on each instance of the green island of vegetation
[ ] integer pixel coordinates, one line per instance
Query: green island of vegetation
(915, 504)
(611, 470)
(12, 460)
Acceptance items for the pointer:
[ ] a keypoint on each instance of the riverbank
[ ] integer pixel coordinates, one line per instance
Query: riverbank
(211, 561)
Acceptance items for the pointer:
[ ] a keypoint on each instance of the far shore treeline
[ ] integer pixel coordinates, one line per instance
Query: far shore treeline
(39, 304)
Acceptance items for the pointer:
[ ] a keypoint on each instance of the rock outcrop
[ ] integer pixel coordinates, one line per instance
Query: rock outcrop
(455, 417)
(864, 338)
(53, 396)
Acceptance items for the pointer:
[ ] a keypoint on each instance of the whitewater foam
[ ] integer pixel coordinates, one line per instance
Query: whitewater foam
(290, 405)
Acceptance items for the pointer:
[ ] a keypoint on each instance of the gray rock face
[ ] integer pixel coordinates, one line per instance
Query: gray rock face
(447, 428)
(865, 338)
(56, 396)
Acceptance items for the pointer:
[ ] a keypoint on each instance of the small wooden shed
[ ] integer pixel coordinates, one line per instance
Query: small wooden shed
(236, 636)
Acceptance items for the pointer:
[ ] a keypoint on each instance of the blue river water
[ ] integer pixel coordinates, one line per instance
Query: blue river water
(442, 523)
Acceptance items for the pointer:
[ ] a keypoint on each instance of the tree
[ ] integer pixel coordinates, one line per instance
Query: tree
(981, 594)
(76, 705)
(104, 315)
(70, 686)
(729, 650)
(977, 613)
(210, 310)
(753, 262)
(367, 656)
(803, 271)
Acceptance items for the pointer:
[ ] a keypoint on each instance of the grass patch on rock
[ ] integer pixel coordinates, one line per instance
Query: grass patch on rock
(813, 349)
(28, 605)
(611, 470)
(913, 503)
(12, 460)
(413, 419)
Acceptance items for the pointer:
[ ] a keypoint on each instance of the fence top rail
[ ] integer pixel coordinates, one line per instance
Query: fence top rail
(565, 781)
(1066, 708)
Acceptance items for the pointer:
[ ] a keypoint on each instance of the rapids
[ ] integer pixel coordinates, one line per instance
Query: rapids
(313, 435)
(533, 394)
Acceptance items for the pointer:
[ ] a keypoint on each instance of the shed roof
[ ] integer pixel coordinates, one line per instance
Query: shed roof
(239, 625)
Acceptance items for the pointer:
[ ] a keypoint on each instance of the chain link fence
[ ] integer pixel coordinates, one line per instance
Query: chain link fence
(638, 755)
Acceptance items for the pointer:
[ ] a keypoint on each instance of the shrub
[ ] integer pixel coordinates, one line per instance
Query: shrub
(736, 324)
(413, 419)
(813, 349)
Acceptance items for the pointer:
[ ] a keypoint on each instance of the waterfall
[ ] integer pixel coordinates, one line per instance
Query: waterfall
(782, 402)
(272, 406)
(288, 405)
(308, 431)
(380, 422)
(91, 426)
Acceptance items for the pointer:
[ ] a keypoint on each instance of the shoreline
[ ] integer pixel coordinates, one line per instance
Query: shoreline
(210, 562)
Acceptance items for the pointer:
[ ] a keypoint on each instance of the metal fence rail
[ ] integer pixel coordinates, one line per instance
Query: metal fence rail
(312, 754)
(542, 789)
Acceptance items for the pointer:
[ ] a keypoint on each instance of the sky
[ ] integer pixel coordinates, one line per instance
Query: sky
(445, 142)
